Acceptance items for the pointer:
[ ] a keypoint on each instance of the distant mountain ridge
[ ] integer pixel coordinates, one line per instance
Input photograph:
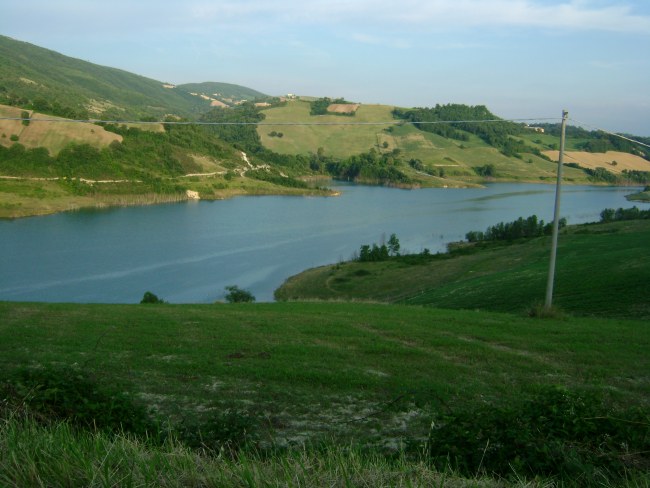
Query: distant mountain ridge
(224, 93)
(69, 87)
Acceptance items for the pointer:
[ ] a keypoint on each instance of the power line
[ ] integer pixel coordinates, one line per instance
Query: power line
(611, 133)
(178, 122)
(338, 123)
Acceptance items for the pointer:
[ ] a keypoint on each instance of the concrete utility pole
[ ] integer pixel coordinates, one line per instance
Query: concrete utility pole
(556, 220)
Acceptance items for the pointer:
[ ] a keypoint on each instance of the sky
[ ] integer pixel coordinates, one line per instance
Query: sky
(523, 59)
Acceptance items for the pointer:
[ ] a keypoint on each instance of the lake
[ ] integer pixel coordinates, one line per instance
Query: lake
(188, 252)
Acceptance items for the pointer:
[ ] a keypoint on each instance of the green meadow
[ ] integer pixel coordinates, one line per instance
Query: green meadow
(371, 377)
(602, 270)
(370, 372)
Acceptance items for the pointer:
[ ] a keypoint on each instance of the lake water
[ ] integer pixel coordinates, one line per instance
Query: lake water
(189, 252)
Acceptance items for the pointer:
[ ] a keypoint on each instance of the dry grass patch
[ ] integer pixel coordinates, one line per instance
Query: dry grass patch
(613, 161)
(52, 135)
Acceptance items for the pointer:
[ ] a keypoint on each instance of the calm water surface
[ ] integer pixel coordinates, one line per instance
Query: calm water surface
(189, 252)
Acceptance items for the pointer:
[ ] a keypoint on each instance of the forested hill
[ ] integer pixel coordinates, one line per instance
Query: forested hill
(50, 82)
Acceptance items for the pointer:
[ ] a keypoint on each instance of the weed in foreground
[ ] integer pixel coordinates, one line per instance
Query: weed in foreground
(72, 394)
(566, 435)
(541, 311)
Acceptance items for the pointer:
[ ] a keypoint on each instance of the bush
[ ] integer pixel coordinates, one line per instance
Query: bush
(149, 297)
(237, 295)
(556, 433)
(227, 430)
(71, 394)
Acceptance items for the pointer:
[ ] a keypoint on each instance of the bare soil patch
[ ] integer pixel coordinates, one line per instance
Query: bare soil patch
(343, 108)
(613, 161)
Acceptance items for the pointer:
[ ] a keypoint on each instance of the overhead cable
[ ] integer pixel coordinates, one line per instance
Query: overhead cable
(611, 133)
(179, 122)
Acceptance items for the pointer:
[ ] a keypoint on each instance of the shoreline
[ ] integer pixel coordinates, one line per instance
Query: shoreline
(35, 206)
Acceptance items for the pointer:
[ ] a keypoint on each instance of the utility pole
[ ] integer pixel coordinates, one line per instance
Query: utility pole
(556, 220)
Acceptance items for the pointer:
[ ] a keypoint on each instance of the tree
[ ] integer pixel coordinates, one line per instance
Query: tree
(486, 170)
(237, 295)
(150, 298)
(393, 245)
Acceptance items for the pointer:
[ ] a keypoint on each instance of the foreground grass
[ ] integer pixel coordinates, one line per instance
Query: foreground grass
(334, 393)
(59, 455)
(374, 374)
(602, 270)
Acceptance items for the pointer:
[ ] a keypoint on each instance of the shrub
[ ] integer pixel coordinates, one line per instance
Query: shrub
(72, 394)
(541, 311)
(237, 295)
(149, 297)
(556, 433)
(226, 430)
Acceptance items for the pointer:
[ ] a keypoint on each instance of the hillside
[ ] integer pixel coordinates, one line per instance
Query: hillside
(295, 141)
(52, 136)
(72, 88)
(602, 269)
(445, 155)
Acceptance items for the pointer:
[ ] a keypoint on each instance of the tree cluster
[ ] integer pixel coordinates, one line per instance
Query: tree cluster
(517, 229)
(381, 252)
(467, 119)
(611, 215)
(487, 171)
(370, 167)
(319, 107)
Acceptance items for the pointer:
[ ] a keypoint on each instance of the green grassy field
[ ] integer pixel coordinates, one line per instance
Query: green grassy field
(337, 140)
(374, 373)
(602, 270)
(342, 374)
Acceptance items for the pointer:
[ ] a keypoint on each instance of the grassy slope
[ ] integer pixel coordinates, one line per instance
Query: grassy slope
(52, 136)
(434, 151)
(75, 83)
(338, 140)
(369, 373)
(602, 269)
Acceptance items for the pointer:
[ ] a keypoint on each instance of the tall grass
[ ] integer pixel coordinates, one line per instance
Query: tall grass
(59, 455)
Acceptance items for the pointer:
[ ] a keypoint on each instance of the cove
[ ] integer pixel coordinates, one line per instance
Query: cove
(188, 252)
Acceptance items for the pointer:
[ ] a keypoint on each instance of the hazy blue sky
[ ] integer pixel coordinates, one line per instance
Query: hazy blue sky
(521, 58)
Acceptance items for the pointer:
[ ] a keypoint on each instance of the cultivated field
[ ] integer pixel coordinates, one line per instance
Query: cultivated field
(613, 161)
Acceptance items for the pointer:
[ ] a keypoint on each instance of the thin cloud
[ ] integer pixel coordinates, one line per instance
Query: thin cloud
(432, 14)
(380, 41)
